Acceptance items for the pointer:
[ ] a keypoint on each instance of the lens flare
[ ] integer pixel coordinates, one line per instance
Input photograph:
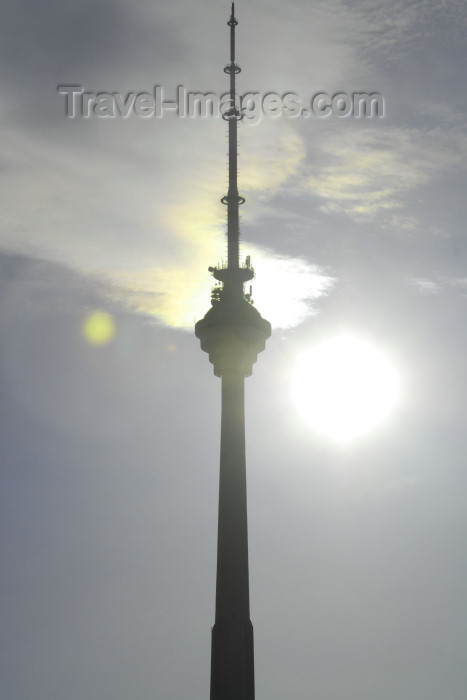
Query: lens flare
(99, 328)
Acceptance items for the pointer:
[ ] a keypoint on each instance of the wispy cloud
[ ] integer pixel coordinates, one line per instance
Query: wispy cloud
(367, 174)
(439, 283)
(151, 239)
(407, 23)
(284, 293)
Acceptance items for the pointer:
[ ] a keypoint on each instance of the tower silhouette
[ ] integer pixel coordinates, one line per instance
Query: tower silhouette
(233, 333)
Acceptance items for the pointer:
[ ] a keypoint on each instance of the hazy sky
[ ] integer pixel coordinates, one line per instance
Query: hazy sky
(109, 469)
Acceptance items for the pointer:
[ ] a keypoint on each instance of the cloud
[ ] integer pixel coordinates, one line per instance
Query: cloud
(150, 236)
(426, 286)
(366, 174)
(439, 284)
(287, 287)
(284, 292)
(270, 158)
(406, 23)
(178, 292)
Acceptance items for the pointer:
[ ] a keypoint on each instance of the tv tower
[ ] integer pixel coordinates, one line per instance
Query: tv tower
(233, 333)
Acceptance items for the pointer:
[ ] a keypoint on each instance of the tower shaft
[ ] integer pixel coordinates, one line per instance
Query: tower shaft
(232, 659)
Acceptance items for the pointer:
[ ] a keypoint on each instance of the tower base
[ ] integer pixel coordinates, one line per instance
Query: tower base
(232, 661)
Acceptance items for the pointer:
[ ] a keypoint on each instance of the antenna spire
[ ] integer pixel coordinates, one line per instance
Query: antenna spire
(233, 276)
(232, 115)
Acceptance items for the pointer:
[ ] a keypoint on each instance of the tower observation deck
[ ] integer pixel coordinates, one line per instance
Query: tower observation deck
(232, 333)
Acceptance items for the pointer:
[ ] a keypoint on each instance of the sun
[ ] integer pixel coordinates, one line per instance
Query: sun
(344, 387)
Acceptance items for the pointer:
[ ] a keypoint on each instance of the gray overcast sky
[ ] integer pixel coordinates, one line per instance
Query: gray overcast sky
(109, 467)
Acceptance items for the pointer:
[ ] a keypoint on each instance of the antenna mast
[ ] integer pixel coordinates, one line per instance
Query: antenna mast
(232, 199)
(233, 276)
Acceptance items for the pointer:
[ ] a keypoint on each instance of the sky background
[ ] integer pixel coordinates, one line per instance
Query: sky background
(109, 469)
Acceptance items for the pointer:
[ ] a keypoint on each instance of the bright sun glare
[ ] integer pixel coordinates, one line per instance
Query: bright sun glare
(344, 387)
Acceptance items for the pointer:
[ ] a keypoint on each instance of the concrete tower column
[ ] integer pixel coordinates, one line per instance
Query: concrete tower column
(232, 664)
